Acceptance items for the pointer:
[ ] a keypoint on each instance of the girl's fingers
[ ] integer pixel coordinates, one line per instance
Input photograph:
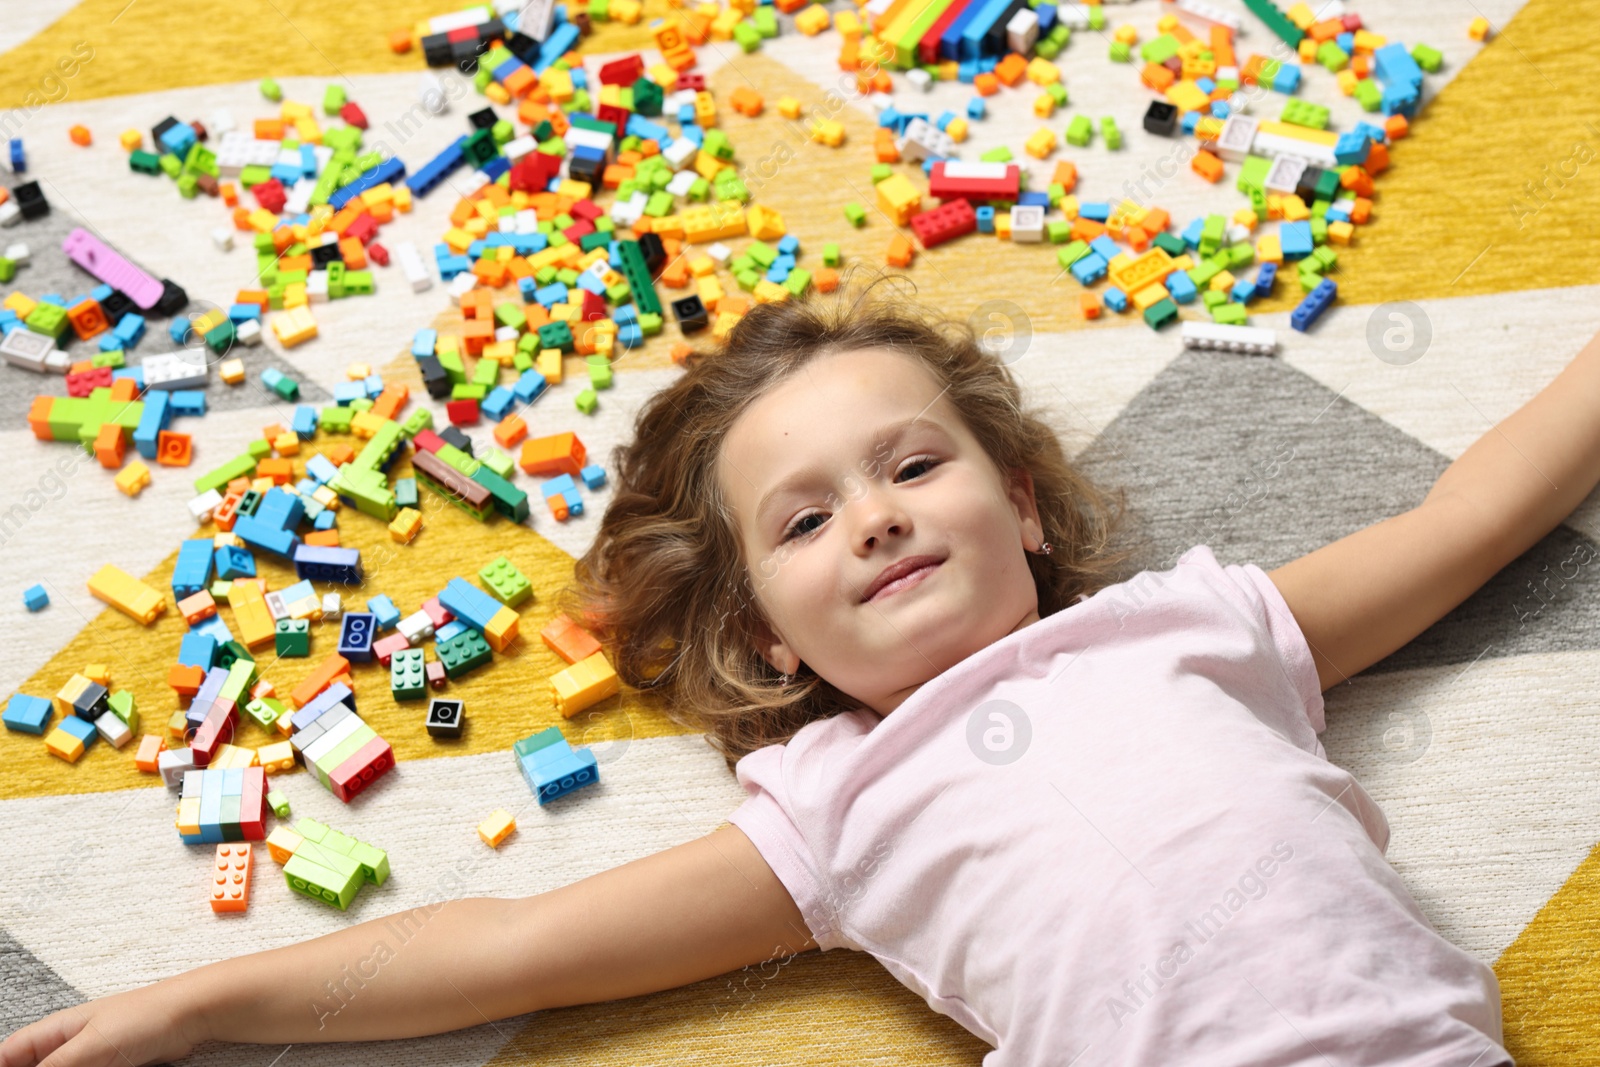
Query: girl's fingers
(33, 1045)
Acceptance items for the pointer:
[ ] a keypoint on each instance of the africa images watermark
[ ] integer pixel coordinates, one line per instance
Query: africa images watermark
(1539, 193)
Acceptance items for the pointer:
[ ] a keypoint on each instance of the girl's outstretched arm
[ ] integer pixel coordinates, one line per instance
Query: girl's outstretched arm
(1364, 596)
(701, 909)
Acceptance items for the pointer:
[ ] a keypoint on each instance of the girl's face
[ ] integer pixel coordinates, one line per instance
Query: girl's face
(855, 464)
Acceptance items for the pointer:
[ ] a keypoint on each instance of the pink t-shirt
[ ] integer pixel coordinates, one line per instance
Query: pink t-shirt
(1113, 837)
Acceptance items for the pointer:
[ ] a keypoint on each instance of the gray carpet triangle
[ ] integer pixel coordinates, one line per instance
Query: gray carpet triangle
(32, 989)
(1264, 464)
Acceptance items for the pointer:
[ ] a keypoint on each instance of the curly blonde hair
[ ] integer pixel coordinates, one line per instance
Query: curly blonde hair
(665, 586)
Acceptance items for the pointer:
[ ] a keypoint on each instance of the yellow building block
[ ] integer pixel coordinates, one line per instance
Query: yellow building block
(234, 756)
(1269, 249)
(1138, 272)
(710, 292)
(764, 223)
(1294, 209)
(586, 682)
(1222, 281)
(294, 326)
(63, 745)
(957, 130)
(828, 132)
(768, 292)
(497, 827)
(253, 617)
(502, 629)
(281, 843)
(1044, 105)
(277, 757)
(1187, 96)
(127, 594)
(364, 424)
(899, 199)
(405, 526)
(1149, 296)
(1041, 143)
(813, 20)
(132, 478)
(188, 820)
(1341, 233)
(1043, 72)
(549, 365)
(789, 107)
(22, 304)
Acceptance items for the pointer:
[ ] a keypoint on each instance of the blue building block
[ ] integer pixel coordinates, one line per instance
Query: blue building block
(346, 393)
(198, 650)
(323, 564)
(36, 598)
(1243, 291)
(383, 611)
(448, 630)
(188, 402)
(305, 422)
(498, 404)
(82, 729)
(468, 603)
(1295, 239)
(390, 170)
(265, 535)
(423, 342)
(192, 572)
(215, 628)
(356, 632)
(1316, 302)
(552, 767)
(155, 417)
(321, 469)
(594, 476)
(1394, 66)
(1090, 269)
(1286, 81)
(1181, 287)
(1098, 210)
(27, 715)
(438, 168)
(1264, 279)
(235, 563)
(326, 520)
(529, 387)
(1115, 299)
(1351, 148)
(19, 158)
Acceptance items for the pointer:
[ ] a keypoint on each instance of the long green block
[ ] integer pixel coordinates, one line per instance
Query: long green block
(237, 467)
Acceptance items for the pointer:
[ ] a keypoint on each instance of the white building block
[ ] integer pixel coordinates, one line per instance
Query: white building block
(1247, 340)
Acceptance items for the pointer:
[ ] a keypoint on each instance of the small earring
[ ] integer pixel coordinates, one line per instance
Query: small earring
(784, 680)
(1044, 549)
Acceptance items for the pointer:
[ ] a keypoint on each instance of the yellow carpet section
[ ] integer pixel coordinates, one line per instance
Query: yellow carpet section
(506, 700)
(1550, 978)
(819, 1008)
(1453, 216)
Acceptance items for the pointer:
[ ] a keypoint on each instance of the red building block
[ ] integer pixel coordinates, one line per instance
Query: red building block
(952, 219)
(369, 763)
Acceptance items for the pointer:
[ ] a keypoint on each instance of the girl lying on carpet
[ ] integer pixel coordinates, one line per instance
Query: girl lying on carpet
(1090, 820)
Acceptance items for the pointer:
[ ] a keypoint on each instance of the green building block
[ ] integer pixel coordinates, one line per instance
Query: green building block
(48, 319)
(1110, 134)
(1253, 174)
(1304, 113)
(464, 652)
(499, 462)
(1228, 314)
(323, 874)
(237, 467)
(1332, 57)
(1079, 131)
(997, 154)
(502, 580)
(266, 711)
(599, 367)
(855, 214)
(144, 162)
(586, 401)
(405, 492)
(271, 90)
(1160, 313)
(1120, 52)
(1429, 59)
(1211, 234)
(278, 803)
(407, 677)
(293, 638)
(122, 704)
(1276, 21)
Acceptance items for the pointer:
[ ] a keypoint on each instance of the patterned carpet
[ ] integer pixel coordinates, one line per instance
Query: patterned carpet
(1478, 740)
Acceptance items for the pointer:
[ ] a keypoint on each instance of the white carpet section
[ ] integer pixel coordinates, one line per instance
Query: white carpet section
(123, 848)
(1487, 774)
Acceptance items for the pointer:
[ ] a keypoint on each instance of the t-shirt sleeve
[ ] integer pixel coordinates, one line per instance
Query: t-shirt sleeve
(1269, 612)
(767, 819)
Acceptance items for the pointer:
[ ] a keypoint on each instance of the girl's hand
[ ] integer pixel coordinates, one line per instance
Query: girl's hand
(142, 1026)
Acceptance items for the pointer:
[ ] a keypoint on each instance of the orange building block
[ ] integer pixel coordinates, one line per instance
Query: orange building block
(185, 679)
(509, 431)
(150, 748)
(1090, 303)
(197, 608)
(569, 640)
(318, 680)
(560, 453)
(1207, 166)
(323, 538)
(174, 449)
(900, 251)
(230, 877)
(109, 446)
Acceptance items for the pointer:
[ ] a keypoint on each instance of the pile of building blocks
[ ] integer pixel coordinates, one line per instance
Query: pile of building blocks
(337, 746)
(324, 864)
(222, 804)
(553, 768)
(89, 709)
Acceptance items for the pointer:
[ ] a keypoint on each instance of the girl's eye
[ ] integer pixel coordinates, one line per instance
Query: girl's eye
(799, 528)
(921, 461)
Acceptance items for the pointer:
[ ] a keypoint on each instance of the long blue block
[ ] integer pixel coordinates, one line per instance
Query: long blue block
(156, 416)
(390, 170)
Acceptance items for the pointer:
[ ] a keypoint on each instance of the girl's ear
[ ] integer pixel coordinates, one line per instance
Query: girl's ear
(1020, 491)
(775, 650)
